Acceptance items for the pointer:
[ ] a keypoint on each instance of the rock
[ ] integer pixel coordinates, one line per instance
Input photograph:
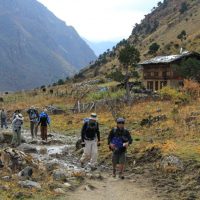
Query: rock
(50, 166)
(89, 188)
(59, 191)
(59, 175)
(171, 164)
(55, 142)
(27, 148)
(65, 151)
(43, 150)
(33, 142)
(67, 185)
(26, 172)
(1, 138)
(7, 136)
(29, 184)
(54, 110)
(6, 178)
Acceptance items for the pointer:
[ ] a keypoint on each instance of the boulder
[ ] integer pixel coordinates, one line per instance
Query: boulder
(29, 184)
(50, 166)
(27, 148)
(43, 150)
(26, 172)
(59, 191)
(55, 111)
(171, 164)
(59, 175)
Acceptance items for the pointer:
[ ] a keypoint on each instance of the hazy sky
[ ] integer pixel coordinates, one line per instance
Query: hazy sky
(101, 20)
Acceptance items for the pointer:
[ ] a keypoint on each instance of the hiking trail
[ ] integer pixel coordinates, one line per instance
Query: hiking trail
(112, 189)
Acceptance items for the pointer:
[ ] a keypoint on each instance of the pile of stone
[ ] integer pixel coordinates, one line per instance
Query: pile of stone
(150, 120)
(54, 110)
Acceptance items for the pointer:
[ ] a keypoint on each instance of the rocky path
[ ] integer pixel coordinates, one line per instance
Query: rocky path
(59, 150)
(112, 189)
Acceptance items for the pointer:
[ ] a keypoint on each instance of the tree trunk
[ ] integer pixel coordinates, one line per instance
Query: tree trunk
(127, 86)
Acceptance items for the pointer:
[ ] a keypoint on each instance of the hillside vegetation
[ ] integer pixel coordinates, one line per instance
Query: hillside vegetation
(170, 26)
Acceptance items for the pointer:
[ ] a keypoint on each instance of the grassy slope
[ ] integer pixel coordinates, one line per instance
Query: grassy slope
(176, 139)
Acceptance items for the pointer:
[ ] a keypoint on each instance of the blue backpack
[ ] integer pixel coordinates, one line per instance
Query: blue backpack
(118, 142)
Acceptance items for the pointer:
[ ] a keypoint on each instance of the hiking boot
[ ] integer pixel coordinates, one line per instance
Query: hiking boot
(121, 176)
(82, 165)
(114, 173)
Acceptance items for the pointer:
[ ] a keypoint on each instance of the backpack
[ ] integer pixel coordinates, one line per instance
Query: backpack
(44, 117)
(118, 141)
(33, 115)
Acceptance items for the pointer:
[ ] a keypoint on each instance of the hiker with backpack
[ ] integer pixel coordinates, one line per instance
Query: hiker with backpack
(3, 116)
(17, 126)
(118, 140)
(90, 136)
(34, 118)
(44, 121)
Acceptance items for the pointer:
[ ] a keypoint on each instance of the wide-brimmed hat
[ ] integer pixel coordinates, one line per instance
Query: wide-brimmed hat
(93, 116)
(20, 116)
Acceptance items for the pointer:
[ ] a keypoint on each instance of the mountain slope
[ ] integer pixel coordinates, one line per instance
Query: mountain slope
(36, 47)
(163, 26)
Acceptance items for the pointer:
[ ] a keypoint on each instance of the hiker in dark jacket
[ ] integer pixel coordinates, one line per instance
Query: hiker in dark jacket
(34, 118)
(118, 141)
(3, 116)
(44, 121)
(90, 136)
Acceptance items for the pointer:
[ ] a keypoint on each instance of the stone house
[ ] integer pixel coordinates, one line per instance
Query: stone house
(159, 71)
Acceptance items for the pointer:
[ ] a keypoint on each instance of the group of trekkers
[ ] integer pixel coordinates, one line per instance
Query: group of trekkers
(118, 141)
(17, 119)
(119, 137)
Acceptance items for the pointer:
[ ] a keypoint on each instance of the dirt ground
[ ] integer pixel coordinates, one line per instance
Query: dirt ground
(113, 189)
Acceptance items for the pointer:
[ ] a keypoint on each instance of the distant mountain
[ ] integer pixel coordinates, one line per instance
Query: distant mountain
(101, 47)
(36, 47)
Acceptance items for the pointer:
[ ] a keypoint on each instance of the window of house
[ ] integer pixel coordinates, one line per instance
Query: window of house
(164, 74)
(156, 74)
(150, 85)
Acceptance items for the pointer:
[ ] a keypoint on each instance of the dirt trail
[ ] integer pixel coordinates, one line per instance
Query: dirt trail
(112, 189)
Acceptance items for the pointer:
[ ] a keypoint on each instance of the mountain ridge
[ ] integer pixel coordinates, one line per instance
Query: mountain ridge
(36, 47)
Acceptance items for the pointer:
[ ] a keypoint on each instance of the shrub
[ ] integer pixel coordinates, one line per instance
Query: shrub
(60, 82)
(153, 48)
(173, 94)
(105, 95)
(184, 7)
(192, 88)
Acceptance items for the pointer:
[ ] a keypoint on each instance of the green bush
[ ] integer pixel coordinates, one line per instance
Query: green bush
(105, 95)
(173, 94)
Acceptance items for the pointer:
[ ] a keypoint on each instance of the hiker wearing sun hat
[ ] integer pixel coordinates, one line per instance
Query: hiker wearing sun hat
(17, 126)
(90, 136)
(118, 141)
